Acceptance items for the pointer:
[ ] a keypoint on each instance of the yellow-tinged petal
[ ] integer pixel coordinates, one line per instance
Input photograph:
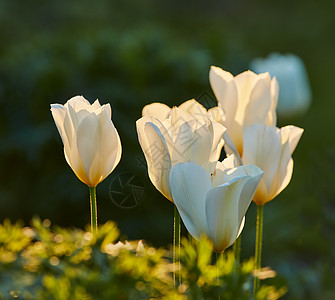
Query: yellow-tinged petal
(177, 118)
(259, 102)
(262, 148)
(271, 119)
(158, 110)
(95, 106)
(292, 135)
(87, 141)
(92, 147)
(195, 108)
(108, 149)
(289, 136)
(217, 114)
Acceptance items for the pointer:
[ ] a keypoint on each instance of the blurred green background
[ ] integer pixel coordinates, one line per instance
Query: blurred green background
(133, 53)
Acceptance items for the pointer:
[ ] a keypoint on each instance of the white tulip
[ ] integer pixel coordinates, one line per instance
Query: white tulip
(294, 94)
(214, 204)
(246, 99)
(270, 148)
(92, 145)
(180, 138)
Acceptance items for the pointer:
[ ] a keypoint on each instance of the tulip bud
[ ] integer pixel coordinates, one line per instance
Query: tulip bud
(294, 89)
(92, 146)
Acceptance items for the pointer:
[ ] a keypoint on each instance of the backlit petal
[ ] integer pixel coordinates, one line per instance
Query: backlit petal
(157, 110)
(189, 185)
(262, 147)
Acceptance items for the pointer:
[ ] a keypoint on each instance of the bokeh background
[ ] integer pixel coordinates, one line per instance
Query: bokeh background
(131, 53)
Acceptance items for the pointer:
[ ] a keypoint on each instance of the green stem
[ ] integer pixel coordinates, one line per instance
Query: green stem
(237, 251)
(217, 256)
(94, 213)
(176, 247)
(258, 248)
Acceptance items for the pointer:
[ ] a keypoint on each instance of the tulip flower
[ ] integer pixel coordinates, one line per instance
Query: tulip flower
(270, 148)
(171, 136)
(214, 204)
(180, 138)
(294, 93)
(246, 99)
(162, 112)
(92, 146)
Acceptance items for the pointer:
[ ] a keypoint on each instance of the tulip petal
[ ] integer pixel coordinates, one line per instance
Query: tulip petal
(222, 213)
(271, 119)
(162, 128)
(221, 168)
(158, 159)
(87, 140)
(107, 108)
(241, 228)
(224, 88)
(230, 147)
(225, 91)
(217, 130)
(217, 114)
(260, 102)
(228, 163)
(96, 105)
(65, 129)
(195, 108)
(78, 103)
(262, 147)
(200, 147)
(77, 117)
(58, 113)
(181, 148)
(108, 149)
(189, 185)
(157, 110)
(177, 118)
(292, 135)
(282, 179)
(250, 170)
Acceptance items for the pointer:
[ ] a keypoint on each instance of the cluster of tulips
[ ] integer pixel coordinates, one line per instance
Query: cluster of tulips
(182, 146)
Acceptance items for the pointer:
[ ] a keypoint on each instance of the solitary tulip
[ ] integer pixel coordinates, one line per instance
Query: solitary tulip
(92, 145)
(246, 99)
(294, 93)
(270, 148)
(214, 204)
(180, 138)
